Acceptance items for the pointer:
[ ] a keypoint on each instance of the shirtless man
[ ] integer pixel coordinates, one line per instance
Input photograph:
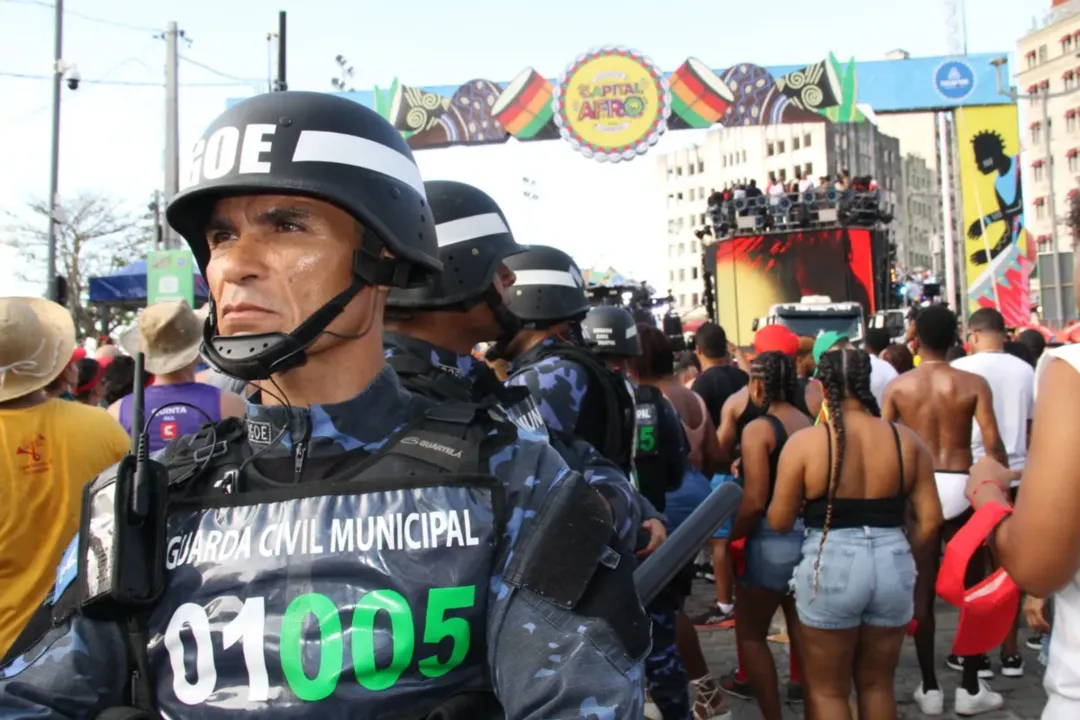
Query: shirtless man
(940, 403)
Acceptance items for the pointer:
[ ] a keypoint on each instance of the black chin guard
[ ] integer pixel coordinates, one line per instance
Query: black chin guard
(257, 357)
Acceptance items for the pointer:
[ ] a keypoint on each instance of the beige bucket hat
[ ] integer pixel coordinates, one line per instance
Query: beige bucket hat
(37, 338)
(168, 334)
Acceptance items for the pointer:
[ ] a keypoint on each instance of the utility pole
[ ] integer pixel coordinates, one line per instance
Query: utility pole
(172, 123)
(948, 225)
(280, 84)
(1044, 98)
(54, 170)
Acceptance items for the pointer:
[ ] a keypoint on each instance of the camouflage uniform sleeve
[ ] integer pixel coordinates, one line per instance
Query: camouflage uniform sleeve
(558, 386)
(606, 477)
(548, 662)
(74, 670)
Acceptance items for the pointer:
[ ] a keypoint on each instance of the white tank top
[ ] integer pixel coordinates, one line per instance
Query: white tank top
(1062, 679)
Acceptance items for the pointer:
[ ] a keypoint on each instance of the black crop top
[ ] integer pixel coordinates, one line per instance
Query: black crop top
(884, 512)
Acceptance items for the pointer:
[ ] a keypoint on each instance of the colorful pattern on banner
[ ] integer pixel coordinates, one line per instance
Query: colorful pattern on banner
(758, 271)
(620, 124)
(998, 252)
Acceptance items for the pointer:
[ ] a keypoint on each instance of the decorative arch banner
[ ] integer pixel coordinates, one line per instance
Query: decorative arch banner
(998, 252)
(613, 103)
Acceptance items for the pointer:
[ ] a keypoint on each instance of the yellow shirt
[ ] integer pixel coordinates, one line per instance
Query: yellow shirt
(47, 454)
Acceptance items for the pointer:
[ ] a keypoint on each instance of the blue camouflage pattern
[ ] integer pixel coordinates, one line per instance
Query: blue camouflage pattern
(546, 662)
(582, 457)
(559, 385)
(665, 673)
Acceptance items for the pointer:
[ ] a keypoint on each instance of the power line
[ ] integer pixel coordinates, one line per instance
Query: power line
(133, 83)
(219, 73)
(90, 18)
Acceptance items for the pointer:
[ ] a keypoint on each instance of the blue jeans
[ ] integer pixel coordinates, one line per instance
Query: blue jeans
(724, 531)
(866, 577)
(771, 557)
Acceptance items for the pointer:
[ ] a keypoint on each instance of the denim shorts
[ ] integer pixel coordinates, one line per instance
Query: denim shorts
(771, 557)
(724, 531)
(866, 577)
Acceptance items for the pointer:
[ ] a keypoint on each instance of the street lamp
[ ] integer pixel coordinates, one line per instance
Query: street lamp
(1045, 97)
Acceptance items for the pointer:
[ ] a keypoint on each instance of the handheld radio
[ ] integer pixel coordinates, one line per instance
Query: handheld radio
(122, 530)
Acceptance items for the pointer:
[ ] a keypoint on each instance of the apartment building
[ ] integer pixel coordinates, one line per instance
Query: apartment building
(1048, 80)
(730, 156)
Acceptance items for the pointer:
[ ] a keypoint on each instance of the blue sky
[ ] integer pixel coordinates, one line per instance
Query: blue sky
(112, 136)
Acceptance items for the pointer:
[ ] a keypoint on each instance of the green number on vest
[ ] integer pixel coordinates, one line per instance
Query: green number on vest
(331, 646)
(402, 635)
(647, 438)
(437, 626)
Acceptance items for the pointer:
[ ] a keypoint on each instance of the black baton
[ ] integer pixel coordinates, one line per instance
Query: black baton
(657, 571)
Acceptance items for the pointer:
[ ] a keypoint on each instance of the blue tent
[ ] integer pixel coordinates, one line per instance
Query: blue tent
(127, 286)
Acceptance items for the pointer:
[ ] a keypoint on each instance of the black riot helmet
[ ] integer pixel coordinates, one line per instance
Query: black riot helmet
(323, 147)
(549, 288)
(474, 240)
(611, 330)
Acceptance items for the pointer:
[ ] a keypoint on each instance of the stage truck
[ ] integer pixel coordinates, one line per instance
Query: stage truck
(815, 314)
(751, 279)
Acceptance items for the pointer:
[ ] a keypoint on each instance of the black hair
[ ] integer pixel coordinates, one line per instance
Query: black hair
(777, 371)
(1034, 341)
(656, 359)
(1020, 350)
(987, 320)
(936, 328)
(88, 369)
(955, 353)
(119, 378)
(686, 360)
(877, 339)
(899, 357)
(711, 341)
(843, 374)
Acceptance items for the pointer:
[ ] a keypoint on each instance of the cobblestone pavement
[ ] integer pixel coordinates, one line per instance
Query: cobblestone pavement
(1024, 697)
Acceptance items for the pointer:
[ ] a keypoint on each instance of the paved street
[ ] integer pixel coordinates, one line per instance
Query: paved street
(1024, 697)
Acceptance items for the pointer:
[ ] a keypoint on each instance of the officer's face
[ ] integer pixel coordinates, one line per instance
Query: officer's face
(275, 260)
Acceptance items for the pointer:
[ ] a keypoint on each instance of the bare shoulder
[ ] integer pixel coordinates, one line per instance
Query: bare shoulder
(736, 402)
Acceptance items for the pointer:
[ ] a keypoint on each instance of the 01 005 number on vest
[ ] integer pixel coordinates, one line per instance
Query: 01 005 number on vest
(248, 629)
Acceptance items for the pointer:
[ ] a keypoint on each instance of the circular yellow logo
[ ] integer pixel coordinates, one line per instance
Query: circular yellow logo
(612, 104)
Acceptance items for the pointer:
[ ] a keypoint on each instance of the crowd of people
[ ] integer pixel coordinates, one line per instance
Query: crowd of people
(399, 467)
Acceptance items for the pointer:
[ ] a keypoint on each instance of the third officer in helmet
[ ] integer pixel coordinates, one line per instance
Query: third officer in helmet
(576, 393)
(348, 550)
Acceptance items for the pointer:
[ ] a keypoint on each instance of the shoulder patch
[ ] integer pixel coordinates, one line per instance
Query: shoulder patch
(67, 570)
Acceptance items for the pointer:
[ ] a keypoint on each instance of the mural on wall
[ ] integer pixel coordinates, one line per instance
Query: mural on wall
(613, 103)
(998, 250)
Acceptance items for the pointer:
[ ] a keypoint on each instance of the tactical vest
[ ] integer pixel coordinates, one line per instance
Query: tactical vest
(364, 591)
(607, 417)
(652, 469)
(441, 383)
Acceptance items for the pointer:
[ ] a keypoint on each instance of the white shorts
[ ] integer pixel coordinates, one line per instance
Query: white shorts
(950, 488)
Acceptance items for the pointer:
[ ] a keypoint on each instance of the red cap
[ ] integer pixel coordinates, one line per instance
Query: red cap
(77, 354)
(987, 611)
(776, 338)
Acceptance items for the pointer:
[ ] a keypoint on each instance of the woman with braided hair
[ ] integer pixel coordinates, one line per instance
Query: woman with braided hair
(854, 588)
(771, 556)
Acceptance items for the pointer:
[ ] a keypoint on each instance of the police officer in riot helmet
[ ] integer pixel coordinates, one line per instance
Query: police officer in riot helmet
(349, 550)
(576, 392)
(660, 461)
(431, 330)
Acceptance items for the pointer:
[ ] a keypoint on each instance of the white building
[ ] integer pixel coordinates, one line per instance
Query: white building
(922, 214)
(1048, 78)
(730, 156)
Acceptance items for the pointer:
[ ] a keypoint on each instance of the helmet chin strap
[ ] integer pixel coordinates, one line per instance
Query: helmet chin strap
(257, 357)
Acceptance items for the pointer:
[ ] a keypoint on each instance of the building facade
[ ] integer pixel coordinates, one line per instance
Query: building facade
(1048, 80)
(733, 155)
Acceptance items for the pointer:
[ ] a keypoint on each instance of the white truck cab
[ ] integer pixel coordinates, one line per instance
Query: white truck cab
(815, 314)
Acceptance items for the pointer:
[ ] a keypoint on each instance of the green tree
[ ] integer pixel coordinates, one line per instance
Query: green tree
(96, 235)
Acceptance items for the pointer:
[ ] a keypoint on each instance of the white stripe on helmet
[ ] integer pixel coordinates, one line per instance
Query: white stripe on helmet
(545, 277)
(332, 147)
(465, 229)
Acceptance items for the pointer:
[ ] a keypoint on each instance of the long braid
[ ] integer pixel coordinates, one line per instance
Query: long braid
(832, 370)
(777, 373)
(859, 382)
